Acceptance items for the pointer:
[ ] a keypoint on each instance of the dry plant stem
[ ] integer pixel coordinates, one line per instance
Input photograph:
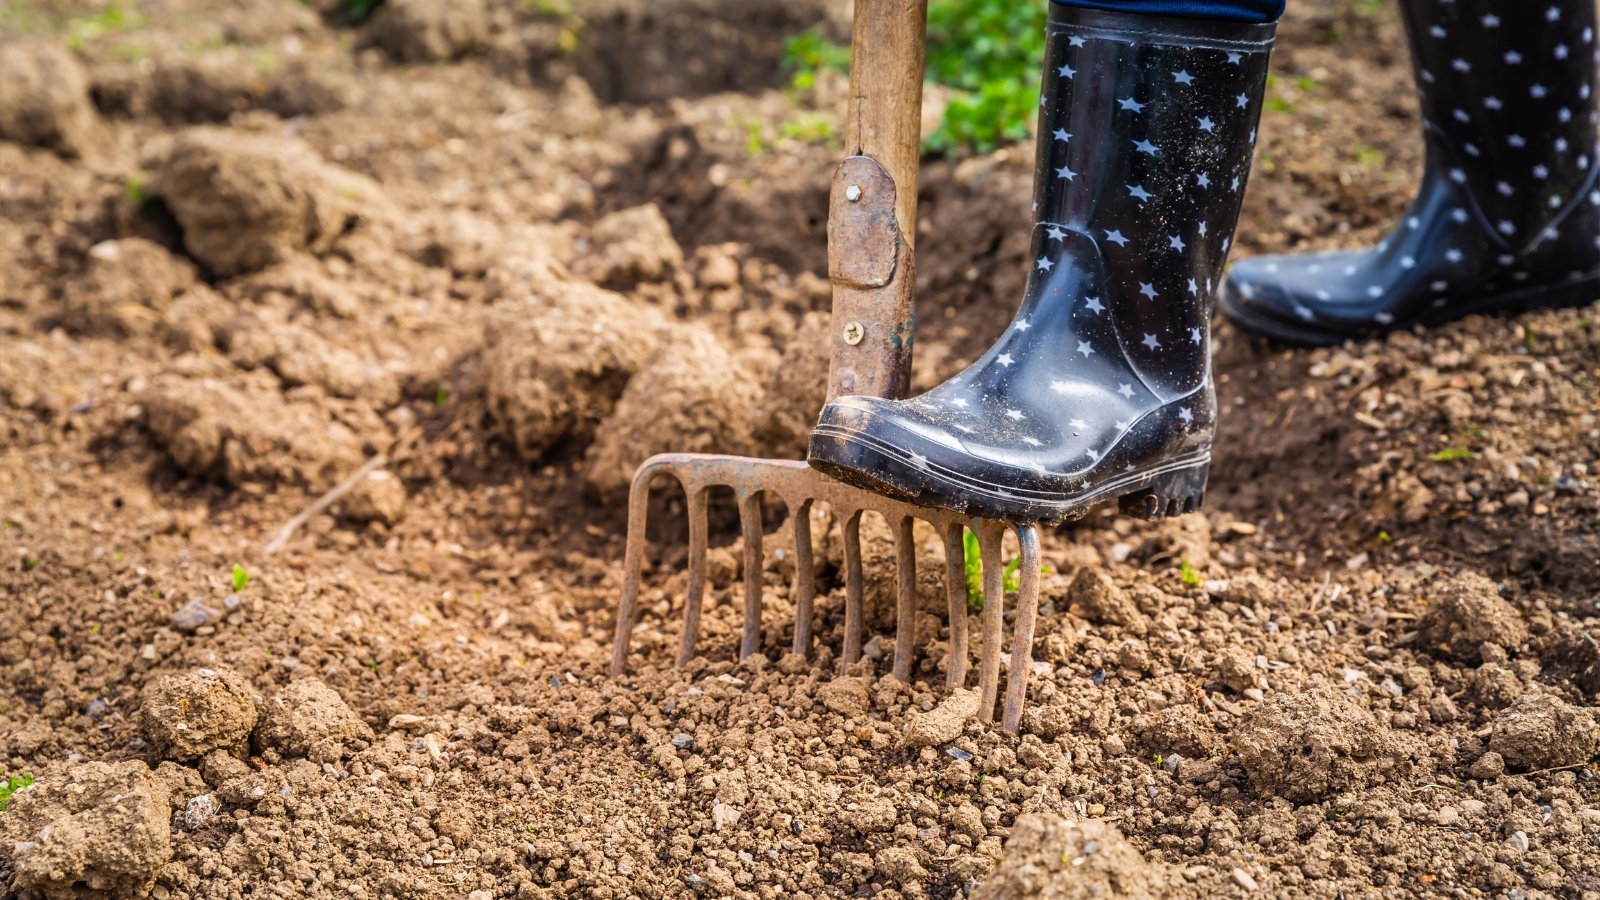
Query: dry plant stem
(323, 502)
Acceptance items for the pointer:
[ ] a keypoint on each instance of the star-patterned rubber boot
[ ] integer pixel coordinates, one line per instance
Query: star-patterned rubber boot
(1508, 216)
(1101, 386)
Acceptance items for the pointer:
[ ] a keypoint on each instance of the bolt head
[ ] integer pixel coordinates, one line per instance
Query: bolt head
(852, 192)
(853, 333)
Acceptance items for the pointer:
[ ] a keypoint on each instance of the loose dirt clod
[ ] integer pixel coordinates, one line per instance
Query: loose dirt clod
(555, 365)
(944, 722)
(1100, 599)
(246, 201)
(781, 421)
(380, 497)
(1542, 732)
(690, 396)
(308, 718)
(426, 31)
(1466, 612)
(98, 829)
(44, 97)
(1307, 746)
(130, 283)
(189, 714)
(211, 428)
(629, 247)
(845, 695)
(1049, 857)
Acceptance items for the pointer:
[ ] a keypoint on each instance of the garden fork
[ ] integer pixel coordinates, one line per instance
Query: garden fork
(872, 217)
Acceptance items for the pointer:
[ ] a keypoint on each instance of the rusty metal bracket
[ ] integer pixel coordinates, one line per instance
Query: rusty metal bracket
(873, 272)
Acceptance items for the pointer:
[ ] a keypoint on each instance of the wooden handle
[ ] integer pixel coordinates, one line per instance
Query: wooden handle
(885, 116)
(872, 213)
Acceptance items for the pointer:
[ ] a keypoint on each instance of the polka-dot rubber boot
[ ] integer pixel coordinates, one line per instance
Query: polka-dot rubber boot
(1101, 387)
(1508, 216)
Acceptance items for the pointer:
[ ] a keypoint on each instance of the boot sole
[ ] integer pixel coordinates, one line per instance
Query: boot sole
(1171, 488)
(1577, 292)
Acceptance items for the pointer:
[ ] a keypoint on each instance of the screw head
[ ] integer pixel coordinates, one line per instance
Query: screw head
(852, 192)
(853, 333)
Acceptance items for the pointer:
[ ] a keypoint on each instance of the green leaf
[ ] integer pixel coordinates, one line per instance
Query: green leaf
(13, 784)
(1188, 573)
(241, 578)
(1452, 454)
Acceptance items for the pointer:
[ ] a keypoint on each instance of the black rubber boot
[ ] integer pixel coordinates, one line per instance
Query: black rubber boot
(1508, 217)
(1101, 387)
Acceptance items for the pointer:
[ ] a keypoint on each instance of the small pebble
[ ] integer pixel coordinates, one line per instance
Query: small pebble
(1244, 879)
(1518, 841)
(1095, 810)
(958, 753)
(199, 811)
(683, 741)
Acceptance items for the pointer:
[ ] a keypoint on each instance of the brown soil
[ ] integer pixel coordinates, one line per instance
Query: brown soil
(247, 250)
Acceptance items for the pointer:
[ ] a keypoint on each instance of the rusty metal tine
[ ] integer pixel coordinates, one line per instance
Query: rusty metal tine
(955, 588)
(805, 576)
(697, 575)
(994, 604)
(1022, 636)
(905, 598)
(750, 524)
(852, 589)
(633, 560)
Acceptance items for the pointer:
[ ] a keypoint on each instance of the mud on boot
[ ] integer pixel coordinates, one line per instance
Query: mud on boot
(1101, 387)
(1508, 215)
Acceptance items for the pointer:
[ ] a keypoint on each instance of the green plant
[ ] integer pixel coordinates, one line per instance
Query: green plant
(441, 396)
(1452, 454)
(972, 567)
(354, 12)
(13, 784)
(986, 52)
(808, 53)
(113, 18)
(1369, 156)
(1188, 573)
(241, 578)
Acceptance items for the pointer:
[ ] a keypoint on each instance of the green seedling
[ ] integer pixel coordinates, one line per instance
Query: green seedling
(1188, 574)
(972, 567)
(1452, 454)
(13, 784)
(241, 578)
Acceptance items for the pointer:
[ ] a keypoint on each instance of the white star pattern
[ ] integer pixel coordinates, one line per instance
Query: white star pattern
(1151, 342)
(1004, 359)
(1206, 124)
(1093, 305)
(1045, 264)
(1131, 105)
(1145, 147)
(1183, 77)
(1085, 349)
(1126, 390)
(1148, 289)
(1066, 173)
(1061, 135)
(1115, 237)
(1138, 192)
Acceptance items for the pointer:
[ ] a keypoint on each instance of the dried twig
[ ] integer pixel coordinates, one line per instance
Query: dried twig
(323, 502)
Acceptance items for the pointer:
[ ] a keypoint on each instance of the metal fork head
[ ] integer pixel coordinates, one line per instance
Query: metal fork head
(799, 487)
